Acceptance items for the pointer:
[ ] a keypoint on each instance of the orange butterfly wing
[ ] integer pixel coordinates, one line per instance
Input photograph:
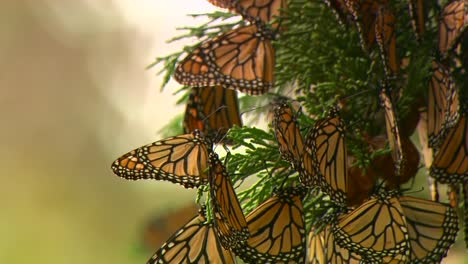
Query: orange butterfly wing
(453, 20)
(212, 110)
(181, 159)
(195, 242)
(242, 59)
(277, 230)
(229, 218)
(450, 164)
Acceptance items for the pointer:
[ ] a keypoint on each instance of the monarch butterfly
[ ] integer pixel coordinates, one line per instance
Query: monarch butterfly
(288, 134)
(443, 104)
(432, 228)
(386, 39)
(195, 242)
(263, 11)
(325, 143)
(213, 111)
(323, 249)
(393, 135)
(230, 222)
(375, 229)
(181, 159)
(241, 59)
(364, 15)
(418, 16)
(340, 9)
(450, 164)
(453, 20)
(276, 230)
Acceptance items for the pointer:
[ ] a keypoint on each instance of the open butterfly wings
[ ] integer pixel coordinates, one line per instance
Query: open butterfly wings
(195, 242)
(375, 229)
(181, 159)
(326, 145)
(229, 218)
(213, 111)
(276, 230)
(453, 20)
(432, 228)
(241, 59)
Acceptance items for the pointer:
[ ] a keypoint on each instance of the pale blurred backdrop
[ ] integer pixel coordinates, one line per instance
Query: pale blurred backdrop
(74, 96)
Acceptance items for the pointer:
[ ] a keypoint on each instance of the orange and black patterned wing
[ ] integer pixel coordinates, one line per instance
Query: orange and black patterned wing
(443, 104)
(222, 3)
(288, 134)
(432, 228)
(453, 20)
(181, 159)
(263, 11)
(418, 16)
(212, 110)
(195, 242)
(258, 11)
(324, 249)
(386, 39)
(326, 145)
(242, 59)
(364, 14)
(393, 132)
(341, 10)
(230, 222)
(450, 164)
(277, 230)
(375, 229)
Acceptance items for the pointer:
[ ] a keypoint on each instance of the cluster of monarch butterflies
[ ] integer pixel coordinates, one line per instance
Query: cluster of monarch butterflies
(374, 222)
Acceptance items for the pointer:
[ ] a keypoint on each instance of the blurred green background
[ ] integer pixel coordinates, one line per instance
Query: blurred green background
(75, 96)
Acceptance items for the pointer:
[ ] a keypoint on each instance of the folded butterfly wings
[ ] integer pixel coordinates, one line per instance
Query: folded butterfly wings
(213, 111)
(230, 221)
(181, 159)
(325, 157)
